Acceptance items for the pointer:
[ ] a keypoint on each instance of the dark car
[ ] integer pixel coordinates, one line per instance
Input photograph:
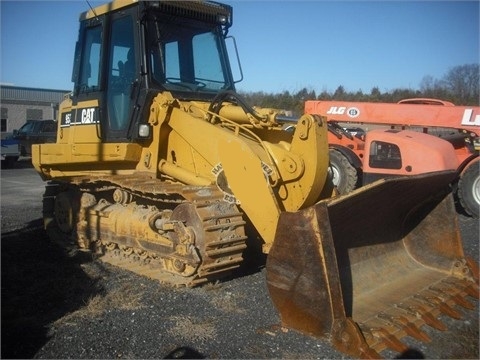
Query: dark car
(35, 132)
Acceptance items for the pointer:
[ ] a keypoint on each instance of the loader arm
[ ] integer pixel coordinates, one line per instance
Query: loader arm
(256, 195)
(264, 176)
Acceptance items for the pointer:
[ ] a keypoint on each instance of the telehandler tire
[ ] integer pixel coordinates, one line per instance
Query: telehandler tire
(468, 191)
(345, 176)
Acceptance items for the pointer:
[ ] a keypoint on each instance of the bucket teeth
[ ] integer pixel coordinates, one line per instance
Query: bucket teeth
(440, 304)
(420, 312)
(473, 291)
(403, 323)
(463, 302)
(387, 328)
(433, 322)
(470, 288)
(388, 339)
(459, 300)
(448, 310)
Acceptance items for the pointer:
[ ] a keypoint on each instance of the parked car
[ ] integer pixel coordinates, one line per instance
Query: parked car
(35, 132)
(10, 150)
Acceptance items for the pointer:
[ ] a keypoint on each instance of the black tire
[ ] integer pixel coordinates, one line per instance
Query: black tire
(9, 162)
(344, 174)
(468, 191)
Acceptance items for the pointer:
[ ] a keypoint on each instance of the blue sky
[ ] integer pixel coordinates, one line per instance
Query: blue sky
(283, 45)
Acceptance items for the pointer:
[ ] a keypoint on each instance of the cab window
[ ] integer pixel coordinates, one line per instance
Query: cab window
(384, 155)
(121, 74)
(89, 79)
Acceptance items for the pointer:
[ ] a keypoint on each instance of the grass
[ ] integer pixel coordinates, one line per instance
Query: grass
(124, 297)
(192, 329)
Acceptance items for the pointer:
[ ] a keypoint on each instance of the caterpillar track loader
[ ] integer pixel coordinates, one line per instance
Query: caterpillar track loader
(159, 166)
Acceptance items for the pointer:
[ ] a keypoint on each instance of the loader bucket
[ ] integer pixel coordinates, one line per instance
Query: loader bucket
(367, 269)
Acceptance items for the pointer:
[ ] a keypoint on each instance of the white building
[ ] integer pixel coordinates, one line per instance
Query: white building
(19, 104)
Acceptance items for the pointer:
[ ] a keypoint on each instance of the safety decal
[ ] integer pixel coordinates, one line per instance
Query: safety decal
(222, 184)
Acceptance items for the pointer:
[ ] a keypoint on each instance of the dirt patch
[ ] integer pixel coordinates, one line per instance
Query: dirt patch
(192, 329)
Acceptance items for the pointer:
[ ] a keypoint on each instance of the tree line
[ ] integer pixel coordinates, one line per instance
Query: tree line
(460, 85)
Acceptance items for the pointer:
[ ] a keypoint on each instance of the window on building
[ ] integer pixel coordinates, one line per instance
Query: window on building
(3, 120)
(34, 114)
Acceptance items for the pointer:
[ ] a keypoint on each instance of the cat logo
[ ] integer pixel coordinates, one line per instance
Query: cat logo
(88, 116)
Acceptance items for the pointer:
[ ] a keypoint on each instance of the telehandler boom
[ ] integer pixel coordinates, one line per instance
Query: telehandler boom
(159, 166)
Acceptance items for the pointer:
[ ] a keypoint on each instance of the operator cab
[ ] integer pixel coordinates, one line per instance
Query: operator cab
(126, 54)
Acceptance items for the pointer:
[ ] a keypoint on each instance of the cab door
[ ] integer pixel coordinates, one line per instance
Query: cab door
(104, 74)
(80, 118)
(121, 76)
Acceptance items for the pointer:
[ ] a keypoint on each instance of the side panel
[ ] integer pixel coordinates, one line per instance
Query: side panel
(406, 152)
(80, 123)
(66, 160)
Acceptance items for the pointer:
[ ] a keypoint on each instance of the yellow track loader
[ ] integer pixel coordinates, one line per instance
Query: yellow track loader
(160, 167)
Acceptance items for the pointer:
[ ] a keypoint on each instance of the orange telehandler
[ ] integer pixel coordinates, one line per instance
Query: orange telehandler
(160, 167)
(460, 125)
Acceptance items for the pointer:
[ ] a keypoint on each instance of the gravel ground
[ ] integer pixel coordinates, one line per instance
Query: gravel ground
(59, 305)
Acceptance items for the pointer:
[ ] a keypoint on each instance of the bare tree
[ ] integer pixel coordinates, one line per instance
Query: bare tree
(463, 83)
(434, 88)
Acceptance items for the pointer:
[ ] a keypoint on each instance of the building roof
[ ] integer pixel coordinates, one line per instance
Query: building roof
(8, 92)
